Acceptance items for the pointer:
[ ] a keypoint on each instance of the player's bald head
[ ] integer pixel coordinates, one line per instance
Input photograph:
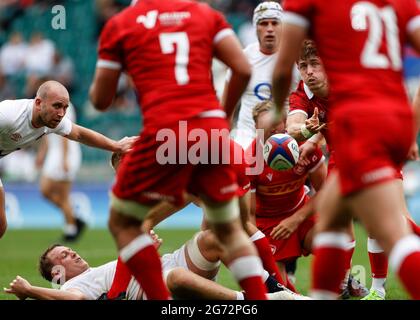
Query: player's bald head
(52, 87)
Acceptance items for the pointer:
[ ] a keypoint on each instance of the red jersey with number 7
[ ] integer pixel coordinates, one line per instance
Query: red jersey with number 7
(360, 44)
(167, 49)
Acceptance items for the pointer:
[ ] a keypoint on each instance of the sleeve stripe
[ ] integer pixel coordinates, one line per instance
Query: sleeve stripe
(108, 64)
(297, 111)
(296, 19)
(223, 33)
(413, 24)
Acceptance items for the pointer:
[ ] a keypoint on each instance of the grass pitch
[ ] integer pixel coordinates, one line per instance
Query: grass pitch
(20, 250)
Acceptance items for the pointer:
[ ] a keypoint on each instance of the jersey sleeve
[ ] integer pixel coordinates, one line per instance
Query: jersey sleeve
(298, 103)
(110, 51)
(316, 159)
(64, 127)
(221, 27)
(298, 12)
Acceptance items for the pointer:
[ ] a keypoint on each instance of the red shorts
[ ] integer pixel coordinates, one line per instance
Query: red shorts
(292, 247)
(144, 177)
(370, 147)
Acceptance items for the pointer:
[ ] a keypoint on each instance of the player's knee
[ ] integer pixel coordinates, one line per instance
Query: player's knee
(118, 223)
(177, 279)
(222, 212)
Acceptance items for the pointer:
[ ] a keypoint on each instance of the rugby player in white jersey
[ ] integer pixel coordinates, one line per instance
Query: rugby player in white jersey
(262, 56)
(188, 272)
(23, 122)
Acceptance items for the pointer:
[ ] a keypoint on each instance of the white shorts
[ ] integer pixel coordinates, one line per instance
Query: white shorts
(53, 165)
(174, 260)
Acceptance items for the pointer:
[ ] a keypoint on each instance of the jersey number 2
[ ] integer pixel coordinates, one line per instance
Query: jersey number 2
(182, 50)
(366, 15)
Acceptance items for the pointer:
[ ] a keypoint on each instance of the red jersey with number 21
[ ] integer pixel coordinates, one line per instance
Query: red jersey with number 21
(359, 43)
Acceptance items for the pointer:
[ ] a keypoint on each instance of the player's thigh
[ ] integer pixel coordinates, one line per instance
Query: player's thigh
(365, 154)
(332, 210)
(381, 210)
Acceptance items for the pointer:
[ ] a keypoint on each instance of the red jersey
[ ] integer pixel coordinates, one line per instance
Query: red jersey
(167, 49)
(281, 192)
(360, 44)
(303, 100)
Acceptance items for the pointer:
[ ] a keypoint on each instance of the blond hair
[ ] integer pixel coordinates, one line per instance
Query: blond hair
(260, 107)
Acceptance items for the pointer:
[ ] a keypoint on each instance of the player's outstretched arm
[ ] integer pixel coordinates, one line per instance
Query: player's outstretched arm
(103, 88)
(98, 140)
(22, 289)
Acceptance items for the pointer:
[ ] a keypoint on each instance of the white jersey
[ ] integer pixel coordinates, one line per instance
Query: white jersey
(96, 281)
(16, 130)
(53, 164)
(259, 89)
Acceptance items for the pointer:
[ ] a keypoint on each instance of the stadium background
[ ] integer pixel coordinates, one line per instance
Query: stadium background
(33, 222)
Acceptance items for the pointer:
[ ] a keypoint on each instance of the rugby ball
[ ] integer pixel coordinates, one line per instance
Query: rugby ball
(281, 152)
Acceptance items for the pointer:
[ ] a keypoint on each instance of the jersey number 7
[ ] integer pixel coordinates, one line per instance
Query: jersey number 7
(182, 50)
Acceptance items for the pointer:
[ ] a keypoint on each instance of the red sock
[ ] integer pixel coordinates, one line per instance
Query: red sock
(414, 227)
(409, 274)
(330, 261)
(121, 280)
(378, 264)
(142, 259)
(267, 258)
(378, 260)
(248, 270)
(405, 260)
(290, 285)
(349, 254)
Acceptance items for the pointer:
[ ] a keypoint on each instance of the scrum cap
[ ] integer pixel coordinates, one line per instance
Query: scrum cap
(267, 10)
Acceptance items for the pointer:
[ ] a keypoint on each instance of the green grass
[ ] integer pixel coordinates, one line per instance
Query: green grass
(20, 250)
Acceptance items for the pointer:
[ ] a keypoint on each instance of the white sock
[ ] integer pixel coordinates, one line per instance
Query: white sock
(378, 284)
(239, 295)
(70, 229)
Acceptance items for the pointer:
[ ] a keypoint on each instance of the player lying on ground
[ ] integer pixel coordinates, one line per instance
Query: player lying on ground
(165, 209)
(188, 273)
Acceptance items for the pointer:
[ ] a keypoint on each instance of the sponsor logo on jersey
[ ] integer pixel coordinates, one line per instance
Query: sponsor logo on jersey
(273, 248)
(15, 136)
(228, 189)
(270, 176)
(281, 188)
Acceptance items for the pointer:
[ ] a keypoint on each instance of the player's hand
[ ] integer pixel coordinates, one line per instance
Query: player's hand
(313, 124)
(413, 154)
(305, 150)
(285, 228)
(19, 287)
(125, 144)
(156, 240)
